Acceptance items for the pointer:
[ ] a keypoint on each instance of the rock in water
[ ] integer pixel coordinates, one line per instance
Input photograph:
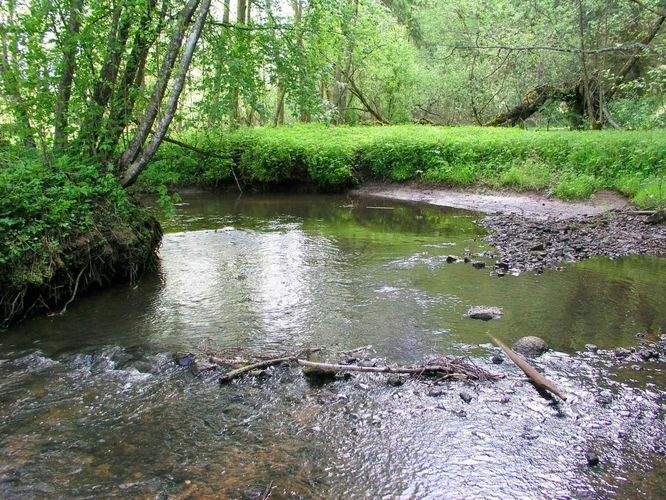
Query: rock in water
(185, 359)
(484, 313)
(530, 346)
(592, 458)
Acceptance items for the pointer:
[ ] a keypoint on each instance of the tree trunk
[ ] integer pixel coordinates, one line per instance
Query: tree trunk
(12, 89)
(91, 127)
(124, 98)
(591, 115)
(163, 77)
(66, 78)
(279, 111)
(162, 127)
(227, 11)
(342, 76)
(18, 105)
(241, 16)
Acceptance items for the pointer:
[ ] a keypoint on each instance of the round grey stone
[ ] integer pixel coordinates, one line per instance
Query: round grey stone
(530, 346)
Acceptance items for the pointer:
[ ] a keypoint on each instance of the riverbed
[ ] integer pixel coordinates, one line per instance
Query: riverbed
(92, 403)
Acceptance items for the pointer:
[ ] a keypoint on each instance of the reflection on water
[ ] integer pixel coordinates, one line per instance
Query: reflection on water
(92, 405)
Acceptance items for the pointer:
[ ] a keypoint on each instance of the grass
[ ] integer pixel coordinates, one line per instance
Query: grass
(569, 164)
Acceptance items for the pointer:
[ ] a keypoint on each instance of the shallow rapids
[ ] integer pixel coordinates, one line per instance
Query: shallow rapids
(91, 403)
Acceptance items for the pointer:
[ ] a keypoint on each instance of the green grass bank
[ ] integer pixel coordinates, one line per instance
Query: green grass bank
(567, 164)
(64, 229)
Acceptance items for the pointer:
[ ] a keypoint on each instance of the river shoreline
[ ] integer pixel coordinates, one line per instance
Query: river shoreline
(532, 232)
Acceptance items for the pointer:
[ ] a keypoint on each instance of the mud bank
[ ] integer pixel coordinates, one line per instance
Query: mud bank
(533, 232)
(105, 255)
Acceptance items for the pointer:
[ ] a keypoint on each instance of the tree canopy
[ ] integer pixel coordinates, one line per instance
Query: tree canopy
(110, 78)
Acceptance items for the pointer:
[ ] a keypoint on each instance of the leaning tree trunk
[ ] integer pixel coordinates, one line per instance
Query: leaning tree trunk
(163, 77)
(135, 168)
(655, 27)
(574, 93)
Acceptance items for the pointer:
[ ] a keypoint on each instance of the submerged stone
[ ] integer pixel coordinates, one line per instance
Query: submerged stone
(185, 359)
(484, 313)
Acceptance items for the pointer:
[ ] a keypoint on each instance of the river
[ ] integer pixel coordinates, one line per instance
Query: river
(92, 404)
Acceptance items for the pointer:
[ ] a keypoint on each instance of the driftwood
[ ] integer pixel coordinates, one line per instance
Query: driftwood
(657, 217)
(538, 379)
(445, 368)
(233, 374)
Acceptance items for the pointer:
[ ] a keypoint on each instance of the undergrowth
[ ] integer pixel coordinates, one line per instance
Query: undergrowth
(568, 164)
(51, 216)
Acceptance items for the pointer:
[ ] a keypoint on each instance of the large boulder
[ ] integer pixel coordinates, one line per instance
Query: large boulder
(530, 346)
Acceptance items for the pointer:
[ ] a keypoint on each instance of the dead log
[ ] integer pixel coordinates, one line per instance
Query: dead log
(538, 379)
(442, 367)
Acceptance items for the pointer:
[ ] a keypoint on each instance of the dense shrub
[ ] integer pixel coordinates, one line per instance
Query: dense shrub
(56, 220)
(570, 164)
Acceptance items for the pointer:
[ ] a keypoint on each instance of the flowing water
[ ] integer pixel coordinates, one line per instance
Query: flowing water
(92, 403)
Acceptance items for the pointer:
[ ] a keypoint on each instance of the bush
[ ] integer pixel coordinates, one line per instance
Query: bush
(47, 211)
(571, 164)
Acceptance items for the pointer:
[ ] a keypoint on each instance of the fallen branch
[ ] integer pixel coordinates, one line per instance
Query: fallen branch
(442, 367)
(358, 349)
(233, 374)
(538, 379)
(641, 212)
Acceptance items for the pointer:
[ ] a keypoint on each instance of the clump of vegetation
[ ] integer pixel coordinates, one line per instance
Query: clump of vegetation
(568, 163)
(55, 222)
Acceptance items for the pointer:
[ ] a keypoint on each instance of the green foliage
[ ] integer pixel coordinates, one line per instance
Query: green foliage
(571, 164)
(43, 208)
(573, 185)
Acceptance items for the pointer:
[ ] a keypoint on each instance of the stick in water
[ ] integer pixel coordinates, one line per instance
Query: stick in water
(538, 379)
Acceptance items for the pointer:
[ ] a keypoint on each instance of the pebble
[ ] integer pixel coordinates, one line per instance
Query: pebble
(436, 392)
(612, 234)
(592, 458)
(395, 380)
(466, 397)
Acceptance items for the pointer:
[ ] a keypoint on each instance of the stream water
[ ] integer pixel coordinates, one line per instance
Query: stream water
(92, 404)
